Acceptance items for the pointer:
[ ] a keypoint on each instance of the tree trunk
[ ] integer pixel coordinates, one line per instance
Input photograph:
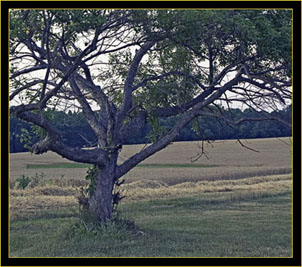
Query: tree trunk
(101, 199)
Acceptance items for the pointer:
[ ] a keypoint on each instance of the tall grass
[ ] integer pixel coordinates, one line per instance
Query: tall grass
(46, 196)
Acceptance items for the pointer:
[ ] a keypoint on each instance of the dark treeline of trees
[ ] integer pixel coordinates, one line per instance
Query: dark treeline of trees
(77, 132)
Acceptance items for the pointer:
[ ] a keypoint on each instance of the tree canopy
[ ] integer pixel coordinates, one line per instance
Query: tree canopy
(122, 68)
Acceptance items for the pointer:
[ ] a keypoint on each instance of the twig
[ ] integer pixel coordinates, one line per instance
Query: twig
(289, 144)
(238, 140)
(200, 154)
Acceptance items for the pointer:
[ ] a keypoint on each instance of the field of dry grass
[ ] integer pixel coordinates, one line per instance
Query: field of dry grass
(32, 201)
(235, 172)
(229, 158)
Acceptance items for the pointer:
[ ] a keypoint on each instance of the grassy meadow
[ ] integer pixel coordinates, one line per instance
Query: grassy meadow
(235, 203)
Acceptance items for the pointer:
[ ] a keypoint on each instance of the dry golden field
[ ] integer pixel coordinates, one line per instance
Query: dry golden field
(32, 201)
(229, 158)
(236, 172)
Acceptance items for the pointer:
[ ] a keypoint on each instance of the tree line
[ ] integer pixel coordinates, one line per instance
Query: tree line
(76, 131)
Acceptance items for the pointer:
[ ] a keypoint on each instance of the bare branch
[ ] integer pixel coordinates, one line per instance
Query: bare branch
(53, 142)
(28, 70)
(172, 134)
(200, 154)
(89, 114)
(47, 32)
(263, 118)
(26, 86)
(128, 87)
(249, 148)
(171, 73)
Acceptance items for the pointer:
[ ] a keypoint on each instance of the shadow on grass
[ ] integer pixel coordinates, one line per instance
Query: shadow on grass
(183, 227)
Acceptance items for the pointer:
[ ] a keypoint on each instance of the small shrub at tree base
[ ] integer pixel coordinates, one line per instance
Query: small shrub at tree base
(114, 229)
(85, 193)
(83, 200)
(91, 176)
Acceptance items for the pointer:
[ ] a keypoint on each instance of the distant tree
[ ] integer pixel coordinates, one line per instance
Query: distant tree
(16, 143)
(124, 68)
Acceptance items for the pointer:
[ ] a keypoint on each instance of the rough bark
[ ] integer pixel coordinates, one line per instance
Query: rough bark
(100, 202)
(101, 197)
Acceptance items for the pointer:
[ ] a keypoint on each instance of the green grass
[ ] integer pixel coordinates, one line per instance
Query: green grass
(171, 165)
(57, 165)
(194, 226)
(82, 165)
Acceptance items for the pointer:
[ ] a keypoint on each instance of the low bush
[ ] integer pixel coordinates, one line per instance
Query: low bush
(22, 182)
(116, 229)
(25, 181)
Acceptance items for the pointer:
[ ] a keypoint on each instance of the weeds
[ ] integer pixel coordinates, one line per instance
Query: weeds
(24, 181)
(91, 176)
(116, 229)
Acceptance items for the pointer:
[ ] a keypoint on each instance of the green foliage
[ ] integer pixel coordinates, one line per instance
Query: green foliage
(31, 23)
(228, 35)
(24, 181)
(23, 23)
(115, 229)
(92, 174)
(25, 138)
(157, 130)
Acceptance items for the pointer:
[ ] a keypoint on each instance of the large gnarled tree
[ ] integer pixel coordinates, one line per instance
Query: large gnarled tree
(122, 68)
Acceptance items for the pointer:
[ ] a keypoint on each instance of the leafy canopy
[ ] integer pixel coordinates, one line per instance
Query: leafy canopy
(133, 65)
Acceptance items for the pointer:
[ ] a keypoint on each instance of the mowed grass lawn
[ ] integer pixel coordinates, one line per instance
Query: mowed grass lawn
(182, 227)
(237, 204)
